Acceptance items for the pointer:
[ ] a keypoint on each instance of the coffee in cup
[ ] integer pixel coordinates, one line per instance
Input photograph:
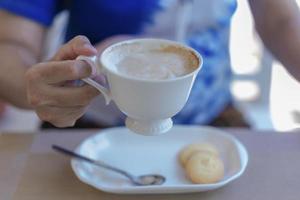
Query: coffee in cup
(155, 64)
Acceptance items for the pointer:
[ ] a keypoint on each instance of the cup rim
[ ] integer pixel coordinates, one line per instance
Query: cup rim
(164, 41)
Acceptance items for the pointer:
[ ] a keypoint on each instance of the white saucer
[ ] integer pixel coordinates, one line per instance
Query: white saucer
(157, 154)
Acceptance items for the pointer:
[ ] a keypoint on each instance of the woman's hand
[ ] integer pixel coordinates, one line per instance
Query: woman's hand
(53, 100)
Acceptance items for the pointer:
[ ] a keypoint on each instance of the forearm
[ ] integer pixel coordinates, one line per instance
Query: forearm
(280, 31)
(285, 46)
(14, 61)
(21, 41)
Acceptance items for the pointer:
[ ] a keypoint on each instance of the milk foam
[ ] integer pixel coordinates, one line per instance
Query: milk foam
(157, 63)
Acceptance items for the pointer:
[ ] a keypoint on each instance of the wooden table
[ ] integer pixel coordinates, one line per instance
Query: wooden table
(30, 170)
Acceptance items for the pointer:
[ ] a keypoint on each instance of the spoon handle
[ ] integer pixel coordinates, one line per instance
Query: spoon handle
(95, 162)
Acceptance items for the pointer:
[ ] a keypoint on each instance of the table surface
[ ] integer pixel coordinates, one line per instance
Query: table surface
(30, 170)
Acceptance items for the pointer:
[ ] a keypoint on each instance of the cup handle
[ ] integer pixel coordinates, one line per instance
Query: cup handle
(96, 69)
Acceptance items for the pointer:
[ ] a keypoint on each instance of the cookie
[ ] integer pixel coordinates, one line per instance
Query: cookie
(204, 168)
(187, 151)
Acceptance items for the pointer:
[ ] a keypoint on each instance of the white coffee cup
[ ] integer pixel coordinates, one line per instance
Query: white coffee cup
(148, 104)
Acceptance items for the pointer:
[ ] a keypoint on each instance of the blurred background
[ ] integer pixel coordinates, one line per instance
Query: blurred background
(263, 90)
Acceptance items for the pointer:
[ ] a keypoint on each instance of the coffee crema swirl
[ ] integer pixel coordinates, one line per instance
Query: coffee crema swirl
(157, 64)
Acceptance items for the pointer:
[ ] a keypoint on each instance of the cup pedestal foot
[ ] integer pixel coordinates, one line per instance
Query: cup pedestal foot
(155, 127)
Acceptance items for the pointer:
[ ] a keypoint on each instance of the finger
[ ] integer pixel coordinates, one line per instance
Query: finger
(80, 45)
(63, 96)
(61, 71)
(60, 117)
(72, 96)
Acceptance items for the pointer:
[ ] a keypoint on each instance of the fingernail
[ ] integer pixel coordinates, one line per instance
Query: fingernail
(89, 46)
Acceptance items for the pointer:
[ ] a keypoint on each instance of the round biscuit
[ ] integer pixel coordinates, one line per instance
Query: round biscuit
(187, 151)
(204, 168)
